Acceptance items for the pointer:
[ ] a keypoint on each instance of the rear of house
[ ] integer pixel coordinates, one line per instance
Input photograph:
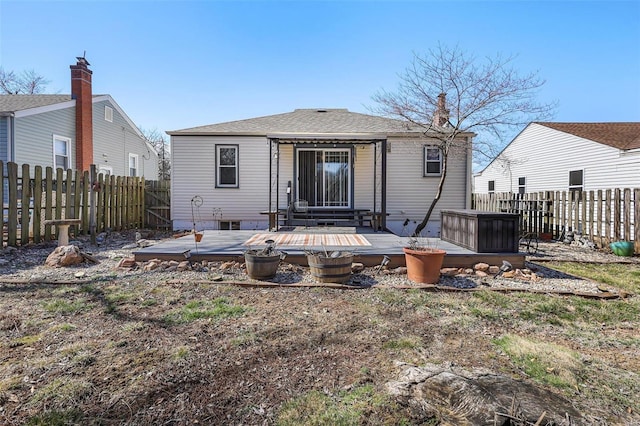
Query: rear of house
(227, 175)
(565, 157)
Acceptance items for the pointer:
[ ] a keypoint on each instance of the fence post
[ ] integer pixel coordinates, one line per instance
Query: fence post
(92, 203)
(37, 204)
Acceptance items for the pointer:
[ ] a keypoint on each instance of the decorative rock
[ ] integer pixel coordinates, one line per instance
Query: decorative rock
(227, 265)
(481, 267)
(79, 274)
(493, 269)
(468, 271)
(357, 267)
(481, 273)
(64, 256)
(509, 274)
(449, 272)
(127, 262)
(183, 266)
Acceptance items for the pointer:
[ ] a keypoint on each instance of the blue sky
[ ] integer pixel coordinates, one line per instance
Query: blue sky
(178, 64)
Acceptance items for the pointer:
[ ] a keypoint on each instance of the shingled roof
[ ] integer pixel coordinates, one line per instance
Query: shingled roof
(311, 121)
(618, 135)
(12, 103)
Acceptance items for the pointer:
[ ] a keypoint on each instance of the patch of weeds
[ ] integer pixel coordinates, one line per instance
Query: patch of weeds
(62, 391)
(218, 308)
(544, 362)
(10, 383)
(134, 326)
(26, 340)
(402, 343)
(149, 302)
(390, 296)
(66, 327)
(181, 352)
(492, 298)
(244, 338)
(353, 407)
(65, 307)
(56, 418)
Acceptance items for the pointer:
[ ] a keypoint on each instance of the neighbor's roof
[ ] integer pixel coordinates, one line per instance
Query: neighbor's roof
(617, 135)
(12, 103)
(304, 121)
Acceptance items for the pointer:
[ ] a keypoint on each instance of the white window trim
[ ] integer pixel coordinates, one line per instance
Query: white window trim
(134, 156)
(64, 139)
(108, 113)
(491, 191)
(524, 187)
(575, 187)
(237, 167)
(424, 161)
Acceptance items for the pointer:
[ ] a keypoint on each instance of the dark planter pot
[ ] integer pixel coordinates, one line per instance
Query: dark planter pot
(423, 265)
(261, 266)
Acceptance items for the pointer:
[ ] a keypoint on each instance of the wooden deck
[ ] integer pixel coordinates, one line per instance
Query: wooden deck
(228, 245)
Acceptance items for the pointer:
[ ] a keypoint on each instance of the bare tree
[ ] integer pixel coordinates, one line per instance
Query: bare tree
(26, 83)
(451, 95)
(161, 145)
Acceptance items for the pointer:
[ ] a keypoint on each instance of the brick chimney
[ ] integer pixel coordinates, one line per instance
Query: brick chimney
(441, 116)
(81, 92)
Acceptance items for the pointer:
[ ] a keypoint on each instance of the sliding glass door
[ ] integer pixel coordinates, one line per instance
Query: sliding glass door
(324, 177)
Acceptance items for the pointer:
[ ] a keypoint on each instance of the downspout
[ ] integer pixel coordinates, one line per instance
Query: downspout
(375, 175)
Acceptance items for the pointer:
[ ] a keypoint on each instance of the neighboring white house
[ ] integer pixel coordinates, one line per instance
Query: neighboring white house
(331, 158)
(565, 157)
(74, 131)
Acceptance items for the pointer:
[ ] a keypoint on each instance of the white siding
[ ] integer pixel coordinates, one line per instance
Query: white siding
(409, 194)
(545, 156)
(193, 173)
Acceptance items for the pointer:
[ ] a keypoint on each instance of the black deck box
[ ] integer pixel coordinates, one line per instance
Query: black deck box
(480, 231)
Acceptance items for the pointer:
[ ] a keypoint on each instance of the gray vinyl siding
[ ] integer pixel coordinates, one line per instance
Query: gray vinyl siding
(4, 138)
(193, 173)
(545, 156)
(114, 141)
(34, 136)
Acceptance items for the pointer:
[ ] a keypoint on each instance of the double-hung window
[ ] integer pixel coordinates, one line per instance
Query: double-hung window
(61, 152)
(491, 186)
(576, 183)
(133, 164)
(432, 161)
(522, 185)
(227, 166)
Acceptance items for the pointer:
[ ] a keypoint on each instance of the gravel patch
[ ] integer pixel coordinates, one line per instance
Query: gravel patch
(27, 264)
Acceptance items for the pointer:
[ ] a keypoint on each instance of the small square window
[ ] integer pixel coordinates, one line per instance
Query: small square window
(230, 225)
(432, 161)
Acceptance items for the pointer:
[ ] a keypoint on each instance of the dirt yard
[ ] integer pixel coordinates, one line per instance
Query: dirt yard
(92, 344)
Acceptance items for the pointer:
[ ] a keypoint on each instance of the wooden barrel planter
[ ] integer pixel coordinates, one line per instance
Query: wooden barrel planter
(332, 268)
(262, 266)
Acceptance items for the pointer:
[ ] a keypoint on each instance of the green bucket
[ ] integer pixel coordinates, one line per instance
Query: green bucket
(622, 248)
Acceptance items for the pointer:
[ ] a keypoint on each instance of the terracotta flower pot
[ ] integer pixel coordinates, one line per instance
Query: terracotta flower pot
(423, 265)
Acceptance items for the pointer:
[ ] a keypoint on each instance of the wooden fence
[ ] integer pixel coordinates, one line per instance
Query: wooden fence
(106, 202)
(158, 204)
(603, 216)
